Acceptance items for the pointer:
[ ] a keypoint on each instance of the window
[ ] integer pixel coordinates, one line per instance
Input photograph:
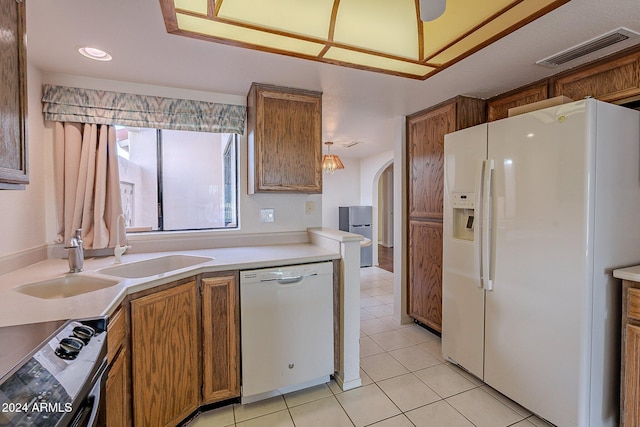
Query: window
(178, 180)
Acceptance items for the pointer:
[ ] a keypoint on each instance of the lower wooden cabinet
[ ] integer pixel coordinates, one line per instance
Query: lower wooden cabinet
(425, 270)
(117, 411)
(185, 349)
(630, 381)
(220, 339)
(164, 355)
(117, 392)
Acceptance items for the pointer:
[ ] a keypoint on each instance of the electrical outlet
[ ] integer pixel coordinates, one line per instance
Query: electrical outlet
(309, 207)
(267, 215)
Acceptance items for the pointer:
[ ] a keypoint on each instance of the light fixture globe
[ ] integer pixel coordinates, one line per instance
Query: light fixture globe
(331, 162)
(432, 9)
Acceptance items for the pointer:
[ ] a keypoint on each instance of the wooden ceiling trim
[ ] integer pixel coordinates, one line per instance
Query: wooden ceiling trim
(420, 32)
(217, 4)
(169, 14)
(332, 28)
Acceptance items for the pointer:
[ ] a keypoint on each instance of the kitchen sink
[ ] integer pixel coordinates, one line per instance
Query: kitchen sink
(154, 266)
(65, 286)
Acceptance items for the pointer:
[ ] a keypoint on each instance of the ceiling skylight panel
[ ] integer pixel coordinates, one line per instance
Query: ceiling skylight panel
(247, 35)
(195, 6)
(384, 26)
(311, 18)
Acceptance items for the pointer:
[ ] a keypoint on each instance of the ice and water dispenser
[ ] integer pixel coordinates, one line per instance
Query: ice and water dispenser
(463, 205)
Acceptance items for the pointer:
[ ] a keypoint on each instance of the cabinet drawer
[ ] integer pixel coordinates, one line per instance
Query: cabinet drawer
(633, 304)
(116, 332)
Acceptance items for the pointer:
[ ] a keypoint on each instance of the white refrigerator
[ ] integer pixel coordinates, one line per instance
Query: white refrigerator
(539, 209)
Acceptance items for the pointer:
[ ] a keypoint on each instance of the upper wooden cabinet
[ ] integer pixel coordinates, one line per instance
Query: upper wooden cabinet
(285, 140)
(14, 159)
(425, 177)
(498, 107)
(425, 151)
(611, 80)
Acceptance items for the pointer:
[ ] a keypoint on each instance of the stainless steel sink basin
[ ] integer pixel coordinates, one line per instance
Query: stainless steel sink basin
(65, 286)
(154, 266)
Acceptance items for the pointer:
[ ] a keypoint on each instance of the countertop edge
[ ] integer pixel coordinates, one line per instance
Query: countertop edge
(18, 309)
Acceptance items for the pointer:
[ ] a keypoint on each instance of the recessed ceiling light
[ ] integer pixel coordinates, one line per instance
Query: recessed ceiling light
(93, 53)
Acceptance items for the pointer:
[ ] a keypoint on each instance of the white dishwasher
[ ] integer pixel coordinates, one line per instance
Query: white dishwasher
(286, 318)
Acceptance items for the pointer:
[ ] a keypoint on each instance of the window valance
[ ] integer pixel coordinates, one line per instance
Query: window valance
(70, 104)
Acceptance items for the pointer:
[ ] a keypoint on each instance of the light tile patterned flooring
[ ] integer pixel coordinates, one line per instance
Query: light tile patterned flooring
(406, 382)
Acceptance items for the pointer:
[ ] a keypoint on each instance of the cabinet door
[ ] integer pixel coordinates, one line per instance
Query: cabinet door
(164, 345)
(498, 108)
(425, 273)
(610, 81)
(285, 140)
(220, 342)
(631, 404)
(14, 158)
(117, 392)
(425, 152)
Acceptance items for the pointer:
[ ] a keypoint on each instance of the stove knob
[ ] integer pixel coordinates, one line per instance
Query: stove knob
(69, 348)
(84, 332)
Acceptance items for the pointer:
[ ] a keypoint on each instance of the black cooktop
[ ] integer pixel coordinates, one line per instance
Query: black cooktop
(18, 342)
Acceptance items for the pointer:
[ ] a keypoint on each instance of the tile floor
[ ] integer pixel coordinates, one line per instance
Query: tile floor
(405, 383)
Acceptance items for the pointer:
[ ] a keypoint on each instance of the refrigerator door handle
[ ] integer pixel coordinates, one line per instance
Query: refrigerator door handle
(485, 238)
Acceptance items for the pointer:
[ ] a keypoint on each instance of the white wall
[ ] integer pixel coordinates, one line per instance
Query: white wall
(22, 223)
(371, 169)
(340, 189)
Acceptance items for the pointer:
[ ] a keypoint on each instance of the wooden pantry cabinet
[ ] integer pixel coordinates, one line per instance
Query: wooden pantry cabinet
(184, 348)
(425, 180)
(630, 366)
(285, 140)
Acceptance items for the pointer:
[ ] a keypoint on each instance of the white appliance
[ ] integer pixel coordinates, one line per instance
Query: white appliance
(286, 329)
(539, 209)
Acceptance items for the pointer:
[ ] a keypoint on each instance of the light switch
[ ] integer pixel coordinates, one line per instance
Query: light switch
(267, 215)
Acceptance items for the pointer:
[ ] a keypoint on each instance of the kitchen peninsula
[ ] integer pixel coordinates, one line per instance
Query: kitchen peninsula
(323, 245)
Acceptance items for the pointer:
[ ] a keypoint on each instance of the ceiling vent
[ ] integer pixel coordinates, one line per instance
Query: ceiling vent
(590, 46)
(349, 144)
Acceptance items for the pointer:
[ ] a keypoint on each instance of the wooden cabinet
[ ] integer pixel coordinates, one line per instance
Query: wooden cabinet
(220, 340)
(165, 337)
(117, 408)
(425, 169)
(117, 392)
(14, 171)
(285, 140)
(612, 80)
(185, 348)
(630, 381)
(498, 107)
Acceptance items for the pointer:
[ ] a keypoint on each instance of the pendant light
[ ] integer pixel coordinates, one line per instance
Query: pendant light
(331, 162)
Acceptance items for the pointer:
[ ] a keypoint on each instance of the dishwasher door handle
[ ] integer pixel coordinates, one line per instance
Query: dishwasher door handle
(288, 280)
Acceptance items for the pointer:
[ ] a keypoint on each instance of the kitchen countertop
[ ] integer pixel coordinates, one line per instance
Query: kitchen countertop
(629, 273)
(17, 308)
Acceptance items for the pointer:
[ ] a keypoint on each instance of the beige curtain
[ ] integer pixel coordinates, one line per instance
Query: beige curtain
(87, 183)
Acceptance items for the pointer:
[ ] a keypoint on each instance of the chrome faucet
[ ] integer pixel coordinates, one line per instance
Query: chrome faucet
(76, 252)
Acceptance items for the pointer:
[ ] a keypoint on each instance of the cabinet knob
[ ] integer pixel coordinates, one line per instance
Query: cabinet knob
(291, 365)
